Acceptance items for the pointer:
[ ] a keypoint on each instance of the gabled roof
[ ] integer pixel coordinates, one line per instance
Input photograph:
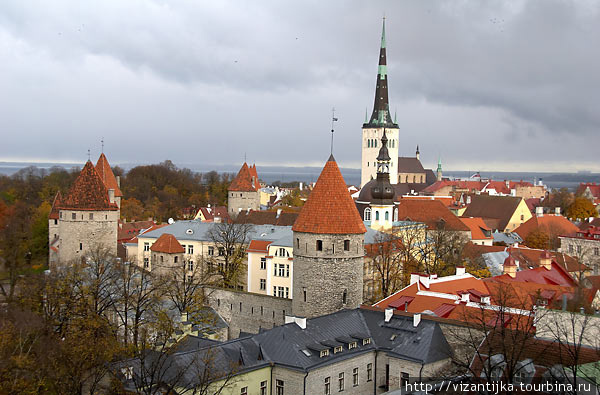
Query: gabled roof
(477, 227)
(259, 246)
(168, 244)
(243, 182)
(107, 176)
(551, 224)
(410, 165)
(431, 212)
(267, 218)
(329, 208)
(497, 207)
(209, 213)
(557, 275)
(129, 230)
(88, 192)
(54, 212)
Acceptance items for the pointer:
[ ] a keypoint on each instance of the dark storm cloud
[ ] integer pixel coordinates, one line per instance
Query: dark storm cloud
(205, 82)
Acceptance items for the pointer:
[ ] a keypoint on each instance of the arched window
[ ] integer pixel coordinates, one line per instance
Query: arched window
(376, 215)
(414, 179)
(395, 214)
(367, 215)
(375, 143)
(368, 143)
(387, 216)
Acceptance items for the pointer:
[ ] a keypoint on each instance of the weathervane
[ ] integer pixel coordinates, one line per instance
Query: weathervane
(102, 141)
(333, 119)
(89, 155)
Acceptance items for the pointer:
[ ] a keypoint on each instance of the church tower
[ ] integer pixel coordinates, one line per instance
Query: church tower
(328, 249)
(372, 130)
(382, 192)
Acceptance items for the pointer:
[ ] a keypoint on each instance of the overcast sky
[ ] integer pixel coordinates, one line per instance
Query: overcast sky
(486, 85)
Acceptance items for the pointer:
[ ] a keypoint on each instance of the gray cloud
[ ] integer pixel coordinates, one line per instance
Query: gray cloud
(479, 83)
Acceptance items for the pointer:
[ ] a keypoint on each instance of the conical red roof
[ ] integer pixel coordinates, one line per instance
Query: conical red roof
(107, 176)
(55, 204)
(243, 181)
(87, 192)
(329, 208)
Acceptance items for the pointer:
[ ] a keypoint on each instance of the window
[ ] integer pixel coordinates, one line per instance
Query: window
(387, 216)
(319, 245)
(91, 216)
(280, 292)
(146, 262)
(175, 259)
(80, 246)
(244, 391)
(73, 216)
(162, 259)
(263, 284)
(281, 272)
(190, 249)
(324, 353)
(221, 251)
(191, 266)
(279, 387)
(263, 388)
(352, 345)
(366, 341)
(304, 293)
(287, 293)
(274, 291)
(297, 242)
(376, 215)
(355, 377)
(55, 222)
(263, 263)
(571, 248)
(60, 214)
(341, 381)
(579, 249)
(282, 252)
(287, 270)
(346, 245)
(211, 250)
(146, 246)
(345, 297)
(367, 214)
(522, 217)
(337, 349)
(327, 385)
(369, 371)
(596, 251)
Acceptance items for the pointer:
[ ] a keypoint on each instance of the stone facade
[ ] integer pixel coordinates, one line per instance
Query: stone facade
(81, 231)
(248, 312)
(370, 150)
(242, 200)
(315, 381)
(329, 279)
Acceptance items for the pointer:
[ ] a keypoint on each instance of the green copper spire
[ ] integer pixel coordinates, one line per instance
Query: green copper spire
(439, 164)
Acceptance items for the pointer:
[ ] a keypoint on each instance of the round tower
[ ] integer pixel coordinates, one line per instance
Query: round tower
(328, 249)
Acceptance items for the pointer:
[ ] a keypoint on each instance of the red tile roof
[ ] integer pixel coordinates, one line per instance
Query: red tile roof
(88, 192)
(267, 218)
(129, 230)
(54, 212)
(501, 208)
(107, 176)
(477, 227)
(551, 224)
(330, 208)
(209, 213)
(431, 212)
(538, 275)
(594, 188)
(258, 246)
(243, 181)
(168, 244)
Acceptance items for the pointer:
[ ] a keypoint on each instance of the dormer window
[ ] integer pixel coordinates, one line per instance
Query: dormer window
(338, 349)
(366, 341)
(352, 345)
(324, 353)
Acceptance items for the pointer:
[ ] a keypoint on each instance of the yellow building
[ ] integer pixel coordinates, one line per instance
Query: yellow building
(270, 267)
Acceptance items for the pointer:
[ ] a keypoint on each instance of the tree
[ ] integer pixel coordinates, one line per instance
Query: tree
(132, 209)
(184, 286)
(537, 239)
(230, 241)
(562, 198)
(581, 208)
(384, 266)
(293, 199)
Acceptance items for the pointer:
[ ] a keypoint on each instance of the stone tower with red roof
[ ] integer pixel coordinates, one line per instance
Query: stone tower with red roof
(328, 249)
(112, 183)
(244, 191)
(87, 218)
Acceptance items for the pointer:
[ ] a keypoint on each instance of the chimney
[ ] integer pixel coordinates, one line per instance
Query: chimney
(557, 210)
(389, 313)
(414, 278)
(289, 319)
(278, 212)
(300, 186)
(464, 297)
(460, 270)
(539, 211)
(546, 260)
(416, 319)
(468, 199)
(424, 280)
(510, 266)
(111, 195)
(119, 181)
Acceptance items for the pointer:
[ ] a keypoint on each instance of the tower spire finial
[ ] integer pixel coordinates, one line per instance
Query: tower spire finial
(381, 108)
(333, 119)
(89, 155)
(102, 142)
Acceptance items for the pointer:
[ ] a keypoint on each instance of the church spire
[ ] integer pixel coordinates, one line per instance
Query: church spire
(381, 108)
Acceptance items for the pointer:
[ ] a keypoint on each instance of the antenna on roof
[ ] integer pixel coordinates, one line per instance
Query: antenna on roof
(102, 141)
(333, 119)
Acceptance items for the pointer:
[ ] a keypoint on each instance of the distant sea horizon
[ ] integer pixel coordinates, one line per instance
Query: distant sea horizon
(271, 174)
